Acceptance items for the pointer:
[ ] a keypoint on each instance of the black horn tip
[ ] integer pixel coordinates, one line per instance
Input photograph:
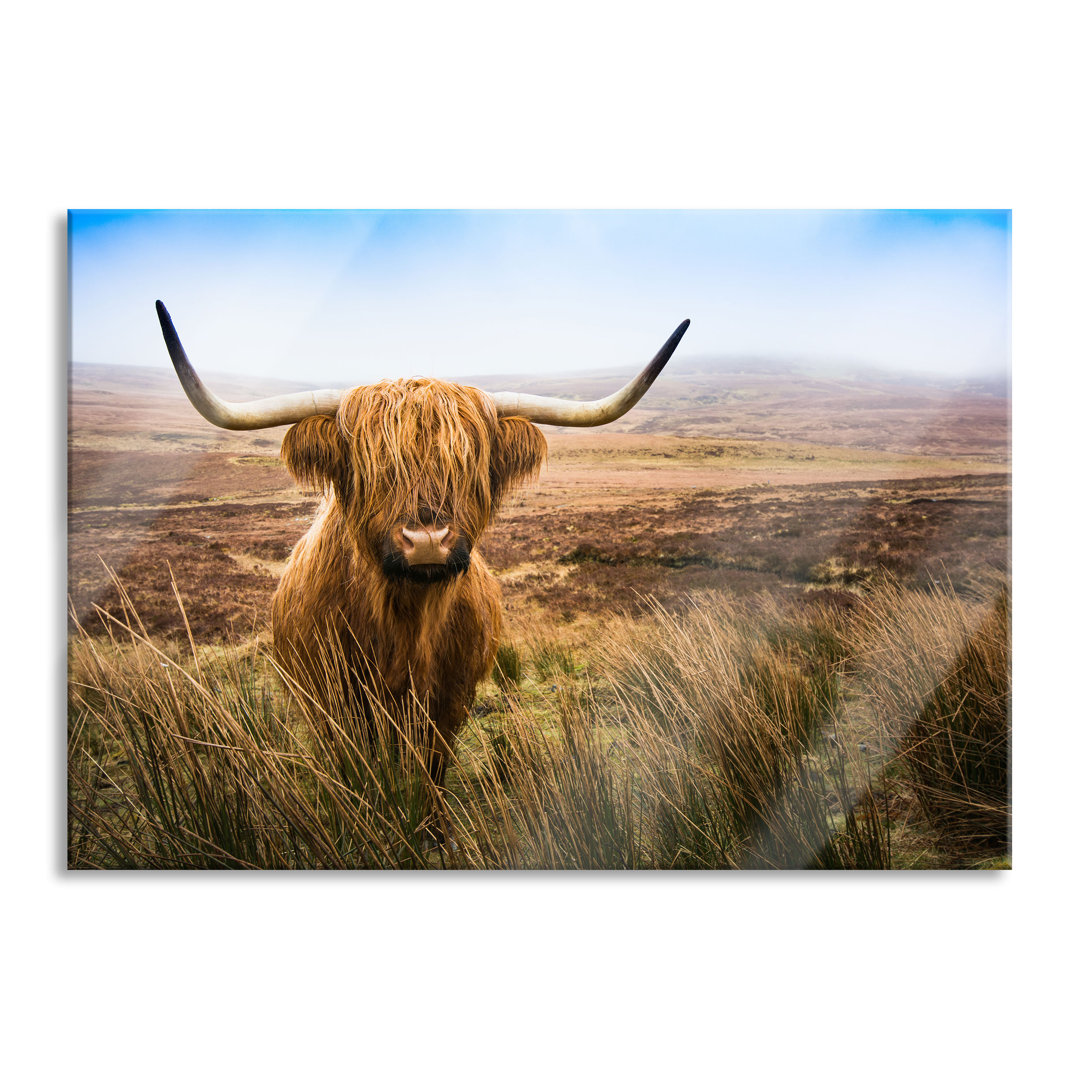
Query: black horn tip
(172, 338)
(673, 341)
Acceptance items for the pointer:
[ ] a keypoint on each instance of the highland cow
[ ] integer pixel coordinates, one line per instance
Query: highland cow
(388, 579)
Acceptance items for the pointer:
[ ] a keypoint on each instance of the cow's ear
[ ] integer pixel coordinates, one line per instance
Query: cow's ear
(517, 453)
(316, 455)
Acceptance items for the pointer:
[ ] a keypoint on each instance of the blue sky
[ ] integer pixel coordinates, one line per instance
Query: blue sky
(344, 297)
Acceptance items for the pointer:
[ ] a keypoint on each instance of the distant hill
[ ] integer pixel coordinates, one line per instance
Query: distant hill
(778, 400)
(730, 398)
(161, 381)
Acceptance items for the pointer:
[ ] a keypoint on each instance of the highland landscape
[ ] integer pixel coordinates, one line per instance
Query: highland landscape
(760, 622)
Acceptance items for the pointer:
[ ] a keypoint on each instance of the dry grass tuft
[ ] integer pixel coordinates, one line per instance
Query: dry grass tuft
(936, 674)
(732, 734)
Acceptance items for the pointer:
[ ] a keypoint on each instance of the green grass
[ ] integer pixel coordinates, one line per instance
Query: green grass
(551, 659)
(508, 669)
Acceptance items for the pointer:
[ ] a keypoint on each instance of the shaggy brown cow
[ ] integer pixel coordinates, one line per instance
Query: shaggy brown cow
(387, 580)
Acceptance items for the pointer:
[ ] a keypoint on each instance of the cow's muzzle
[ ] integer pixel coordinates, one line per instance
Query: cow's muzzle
(425, 553)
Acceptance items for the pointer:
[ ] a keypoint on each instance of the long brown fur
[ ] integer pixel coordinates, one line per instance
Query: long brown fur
(396, 451)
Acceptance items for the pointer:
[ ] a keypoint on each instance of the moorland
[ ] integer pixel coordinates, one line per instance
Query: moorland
(760, 621)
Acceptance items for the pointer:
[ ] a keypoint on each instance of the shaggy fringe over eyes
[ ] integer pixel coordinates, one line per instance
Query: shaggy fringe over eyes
(314, 453)
(423, 446)
(411, 447)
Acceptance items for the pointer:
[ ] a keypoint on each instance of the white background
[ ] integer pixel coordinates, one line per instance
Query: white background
(572, 105)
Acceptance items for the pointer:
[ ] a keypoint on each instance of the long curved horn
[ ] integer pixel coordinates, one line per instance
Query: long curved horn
(549, 410)
(247, 415)
(290, 408)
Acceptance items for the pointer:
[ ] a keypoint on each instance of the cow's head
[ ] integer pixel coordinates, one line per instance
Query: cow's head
(418, 466)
